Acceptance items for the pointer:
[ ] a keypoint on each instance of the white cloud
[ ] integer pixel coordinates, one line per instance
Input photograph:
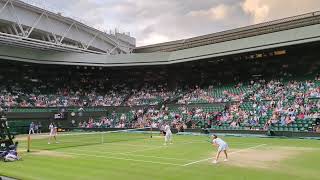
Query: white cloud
(266, 10)
(219, 12)
(257, 9)
(153, 38)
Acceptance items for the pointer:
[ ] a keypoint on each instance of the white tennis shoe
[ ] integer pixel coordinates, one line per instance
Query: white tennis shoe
(214, 162)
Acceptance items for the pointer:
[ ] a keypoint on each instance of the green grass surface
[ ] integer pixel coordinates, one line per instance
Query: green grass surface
(134, 156)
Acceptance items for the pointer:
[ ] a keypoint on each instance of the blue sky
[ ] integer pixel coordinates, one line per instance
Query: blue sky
(155, 21)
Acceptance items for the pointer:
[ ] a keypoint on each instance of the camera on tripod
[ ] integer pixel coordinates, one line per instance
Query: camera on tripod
(6, 139)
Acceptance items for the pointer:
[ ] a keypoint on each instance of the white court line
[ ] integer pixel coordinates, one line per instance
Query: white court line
(151, 147)
(206, 142)
(155, 162)
(126, 159)
(195, 162)
(141, 150)
(123, 144)
(133, 145)
(127, 153)
(130, 152)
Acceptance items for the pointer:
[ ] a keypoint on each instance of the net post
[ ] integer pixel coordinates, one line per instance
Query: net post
(28, 142)
(151, 131)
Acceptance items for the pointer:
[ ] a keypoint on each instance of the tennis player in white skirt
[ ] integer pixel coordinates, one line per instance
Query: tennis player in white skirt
(222, 146)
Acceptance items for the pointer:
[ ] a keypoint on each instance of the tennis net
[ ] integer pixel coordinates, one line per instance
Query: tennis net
(86, 138)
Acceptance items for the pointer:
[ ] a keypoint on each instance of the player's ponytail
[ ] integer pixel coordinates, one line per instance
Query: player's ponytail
(215, 136)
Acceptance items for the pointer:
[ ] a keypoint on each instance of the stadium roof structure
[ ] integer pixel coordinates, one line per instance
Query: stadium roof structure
(26, 25)
(274, 34)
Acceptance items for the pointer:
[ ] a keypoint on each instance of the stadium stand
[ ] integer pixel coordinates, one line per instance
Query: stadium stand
(242, 92)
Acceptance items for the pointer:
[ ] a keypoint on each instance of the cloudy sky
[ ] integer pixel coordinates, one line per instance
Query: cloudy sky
(155, 21)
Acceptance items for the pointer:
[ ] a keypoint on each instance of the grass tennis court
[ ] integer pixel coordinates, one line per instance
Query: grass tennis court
(144, 158)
